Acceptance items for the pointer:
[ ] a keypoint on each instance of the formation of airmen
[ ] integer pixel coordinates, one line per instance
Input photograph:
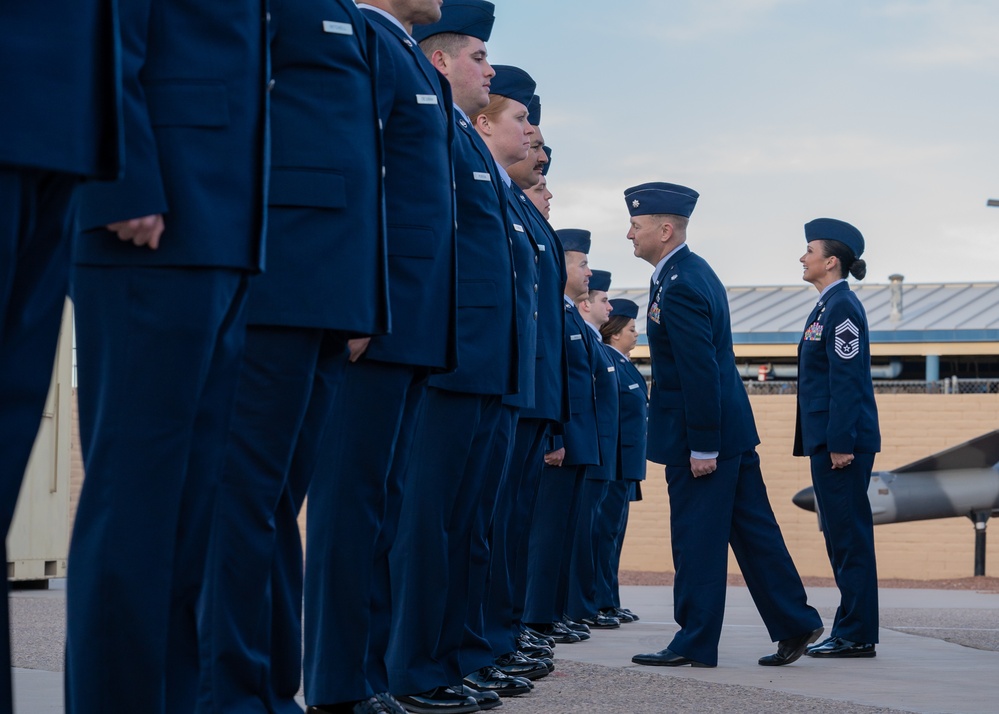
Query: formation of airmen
(309, 252)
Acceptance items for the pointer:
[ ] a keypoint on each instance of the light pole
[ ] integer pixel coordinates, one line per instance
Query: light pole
(992, 202)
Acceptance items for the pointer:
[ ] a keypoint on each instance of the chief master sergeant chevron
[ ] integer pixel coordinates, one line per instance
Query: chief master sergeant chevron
(701, 427)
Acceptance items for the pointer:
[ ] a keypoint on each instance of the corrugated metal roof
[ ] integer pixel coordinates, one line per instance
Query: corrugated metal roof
(931, 312)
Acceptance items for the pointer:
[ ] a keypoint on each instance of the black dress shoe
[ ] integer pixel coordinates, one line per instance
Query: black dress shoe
(666, 658)
(600, 621)
(441, 700)
(575, 626)
(485, 700)
(557, 633)
(528, 649)
(838, 647)
(533, 634)
(628, 612)
(491, 679)
(791, 649)
(377, 704)
(517, 665)
(621, 615)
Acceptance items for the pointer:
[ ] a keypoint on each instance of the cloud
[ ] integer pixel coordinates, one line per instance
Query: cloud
(950, 33)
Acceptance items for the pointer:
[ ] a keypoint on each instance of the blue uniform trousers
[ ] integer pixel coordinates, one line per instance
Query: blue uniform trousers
(848, 527)
(35, 225)
(707, 514)
(159, 351)
(553, 530)
(453, 462)
(504, 606)
(353, 512)
(252, 611)
(614, 512)
(583, 569)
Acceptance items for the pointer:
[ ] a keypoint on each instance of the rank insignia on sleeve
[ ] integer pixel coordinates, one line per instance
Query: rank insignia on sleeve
(814, 332)
(847, 339)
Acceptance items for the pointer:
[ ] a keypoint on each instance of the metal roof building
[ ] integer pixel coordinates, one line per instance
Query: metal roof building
(917, 330)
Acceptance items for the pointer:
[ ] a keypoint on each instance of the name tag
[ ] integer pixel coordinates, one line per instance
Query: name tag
(542, 247)
(426, 99)
(481, 176)
(575, 337)
(519, 228)
(632, 386)
(338, 28)
(610, 369)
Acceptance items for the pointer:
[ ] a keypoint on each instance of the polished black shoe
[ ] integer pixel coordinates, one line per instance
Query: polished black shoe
(491, 679)
(621, 615)
(441, 700)
(790, 650)
(485, 700)
(576, 627)
(600, 621)
(838, 647)
(629, 613)
(529, 649)
(558, 633)
(539, 638)
(666, 658)
(517, 665)
(377, 704)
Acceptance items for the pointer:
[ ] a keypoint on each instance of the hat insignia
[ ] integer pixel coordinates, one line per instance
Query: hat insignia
(636, 203)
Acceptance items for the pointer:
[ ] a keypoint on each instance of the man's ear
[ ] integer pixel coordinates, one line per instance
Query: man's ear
(440, 61)
(667, 231)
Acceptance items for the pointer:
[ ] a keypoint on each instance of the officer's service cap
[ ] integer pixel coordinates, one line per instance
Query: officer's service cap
(513, 83)
(832, 229)
(534, 111)
(462, 17)
(658, 197)
(548, 152)
(574, 239)
(623, 307)
(600, 280)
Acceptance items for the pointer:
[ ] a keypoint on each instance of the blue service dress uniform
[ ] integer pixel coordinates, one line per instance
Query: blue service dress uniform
(698, 403)
(159, 342)
(592, 527)
(837, 414)
(56, 127)
(355, 496)
(556, 509)
(439, 562)
(325, 280)
(631, 465)
(543, 400)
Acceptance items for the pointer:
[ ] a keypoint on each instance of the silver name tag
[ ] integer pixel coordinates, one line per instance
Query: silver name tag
(426, 99)
(481, 176)
(610, 369)
(632, 386)
(519, 228)
(542, 248)
(575, 337)
(338, 28)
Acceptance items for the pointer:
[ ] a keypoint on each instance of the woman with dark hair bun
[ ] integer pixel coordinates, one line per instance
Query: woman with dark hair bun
(837, 428)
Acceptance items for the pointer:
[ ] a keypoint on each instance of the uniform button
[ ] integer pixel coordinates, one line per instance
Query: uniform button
(535, 287)
(514, 274)
(535, 259)
(535, 315)
(268, 16)
(270, 85)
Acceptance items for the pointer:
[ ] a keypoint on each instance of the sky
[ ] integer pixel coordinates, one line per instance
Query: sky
(882, 113)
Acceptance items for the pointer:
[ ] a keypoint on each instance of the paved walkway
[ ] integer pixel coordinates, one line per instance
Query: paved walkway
(915, 670)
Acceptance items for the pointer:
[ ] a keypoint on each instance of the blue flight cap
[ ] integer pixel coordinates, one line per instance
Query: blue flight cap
(462, 17)
(513, 83)
(623, 307)
(574, 239)
(831, 229)
(534, 111)
(548, 152)
(657, 198)
(600, 280)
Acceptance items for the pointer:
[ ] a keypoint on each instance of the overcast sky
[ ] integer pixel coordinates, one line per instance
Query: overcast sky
(881, 113)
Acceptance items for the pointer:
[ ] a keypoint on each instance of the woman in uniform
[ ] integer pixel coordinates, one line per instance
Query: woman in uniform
(837, 428)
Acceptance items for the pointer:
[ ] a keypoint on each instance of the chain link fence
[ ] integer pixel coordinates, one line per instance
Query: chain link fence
(953, 385)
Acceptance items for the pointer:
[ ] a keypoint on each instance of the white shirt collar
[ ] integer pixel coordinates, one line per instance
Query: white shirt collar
(618, 351)
(390, 16)
(662, 263)
(594, 328)
(504, 175)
